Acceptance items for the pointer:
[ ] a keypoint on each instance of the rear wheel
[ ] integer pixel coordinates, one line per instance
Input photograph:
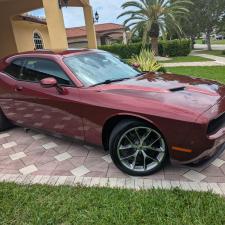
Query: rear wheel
(4, 122)
(136, 148)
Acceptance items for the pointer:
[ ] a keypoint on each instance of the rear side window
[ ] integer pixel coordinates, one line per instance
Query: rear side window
(37, 69)
(15, 68)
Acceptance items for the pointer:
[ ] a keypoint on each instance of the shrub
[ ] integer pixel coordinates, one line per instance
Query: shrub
(146, 61)
(176, 47)
(223, 52)
(124, 51)
(162, 69)
(166, 48)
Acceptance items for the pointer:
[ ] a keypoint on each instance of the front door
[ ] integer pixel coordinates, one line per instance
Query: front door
(8, 79)
(45, 108)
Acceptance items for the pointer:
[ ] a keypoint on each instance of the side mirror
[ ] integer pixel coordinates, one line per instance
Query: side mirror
(48, 82)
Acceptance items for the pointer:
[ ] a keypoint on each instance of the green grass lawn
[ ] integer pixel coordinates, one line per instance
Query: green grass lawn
(213, 72)
(43, 205)
(218, 42)
(213, 52)
(213, 41)
(198, 41)
(188, 58)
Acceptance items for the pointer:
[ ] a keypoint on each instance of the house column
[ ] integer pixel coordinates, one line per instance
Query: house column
(55, 24)
(124, 37)
(8, 44)
(90, 28)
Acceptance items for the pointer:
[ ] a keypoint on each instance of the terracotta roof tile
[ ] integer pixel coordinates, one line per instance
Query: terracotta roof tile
(81, 31)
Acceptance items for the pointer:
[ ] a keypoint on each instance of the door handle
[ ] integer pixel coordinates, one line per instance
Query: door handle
(18, 88)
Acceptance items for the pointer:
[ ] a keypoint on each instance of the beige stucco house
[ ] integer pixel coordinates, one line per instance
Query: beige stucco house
(30, 33)
(34, 32)
(20, 33)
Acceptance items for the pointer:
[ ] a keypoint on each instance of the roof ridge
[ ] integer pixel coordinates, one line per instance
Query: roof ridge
(80, 27)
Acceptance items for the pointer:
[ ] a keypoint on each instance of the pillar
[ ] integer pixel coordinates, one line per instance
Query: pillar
(90, 28)
(7, 39)
(55, 23)
(124, 37)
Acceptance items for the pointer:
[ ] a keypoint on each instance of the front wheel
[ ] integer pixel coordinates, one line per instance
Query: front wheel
(137, 149)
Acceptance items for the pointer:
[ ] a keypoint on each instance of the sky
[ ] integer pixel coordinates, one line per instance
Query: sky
(108, 11)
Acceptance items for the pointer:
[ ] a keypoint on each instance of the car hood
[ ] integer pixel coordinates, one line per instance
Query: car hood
(179, 91)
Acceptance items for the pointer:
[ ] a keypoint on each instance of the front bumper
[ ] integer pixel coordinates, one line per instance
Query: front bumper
(218, 147)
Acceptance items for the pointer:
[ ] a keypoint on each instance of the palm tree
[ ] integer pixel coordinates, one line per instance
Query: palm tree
(155, 17)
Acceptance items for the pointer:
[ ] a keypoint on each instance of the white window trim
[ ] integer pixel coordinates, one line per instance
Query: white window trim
(39, 33)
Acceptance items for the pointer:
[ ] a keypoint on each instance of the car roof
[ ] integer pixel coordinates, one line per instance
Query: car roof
(55, 52)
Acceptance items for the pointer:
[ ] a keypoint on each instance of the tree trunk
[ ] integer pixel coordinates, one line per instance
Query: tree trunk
(193, 42)
(144, 39)
(208, 41)
(155, 45)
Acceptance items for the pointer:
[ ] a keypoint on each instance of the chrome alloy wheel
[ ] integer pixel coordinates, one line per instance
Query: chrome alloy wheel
(141, 149)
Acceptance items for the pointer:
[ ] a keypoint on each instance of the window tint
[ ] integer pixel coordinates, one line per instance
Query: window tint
(15, 68)
(38, 69)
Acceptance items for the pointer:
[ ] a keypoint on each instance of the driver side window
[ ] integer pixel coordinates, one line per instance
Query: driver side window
(36, 69)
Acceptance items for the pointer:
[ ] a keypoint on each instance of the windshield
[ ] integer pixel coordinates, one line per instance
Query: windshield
(98, 67)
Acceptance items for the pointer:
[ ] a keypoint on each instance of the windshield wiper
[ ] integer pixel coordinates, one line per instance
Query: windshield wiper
(110, 81)
(140, 74)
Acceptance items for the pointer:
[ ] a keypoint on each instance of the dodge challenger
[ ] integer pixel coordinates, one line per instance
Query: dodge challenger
(142, 119)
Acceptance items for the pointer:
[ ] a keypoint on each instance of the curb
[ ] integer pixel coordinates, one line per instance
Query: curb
(128, 183)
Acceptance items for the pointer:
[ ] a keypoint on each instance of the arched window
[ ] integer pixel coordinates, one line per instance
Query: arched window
(38, 42)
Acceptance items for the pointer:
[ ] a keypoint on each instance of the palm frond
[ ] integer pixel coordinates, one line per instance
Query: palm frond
(135, 4)
(154, 15)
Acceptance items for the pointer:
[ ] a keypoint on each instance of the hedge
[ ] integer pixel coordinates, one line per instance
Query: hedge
(166, 48)
(176, 47)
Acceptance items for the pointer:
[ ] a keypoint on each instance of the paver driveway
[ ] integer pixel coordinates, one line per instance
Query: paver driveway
(37, 154)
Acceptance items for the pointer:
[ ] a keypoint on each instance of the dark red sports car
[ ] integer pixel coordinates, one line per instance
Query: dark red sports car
(142, 118)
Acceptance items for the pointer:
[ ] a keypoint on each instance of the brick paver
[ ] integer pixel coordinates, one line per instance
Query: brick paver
(31, 158)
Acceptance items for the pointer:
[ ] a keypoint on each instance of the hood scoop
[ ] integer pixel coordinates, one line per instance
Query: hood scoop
(177, 89)
(193, 89)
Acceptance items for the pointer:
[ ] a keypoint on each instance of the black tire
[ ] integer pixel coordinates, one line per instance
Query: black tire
(122, 129)
(4, 122)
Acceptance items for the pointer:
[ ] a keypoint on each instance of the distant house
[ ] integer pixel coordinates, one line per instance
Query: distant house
(106, 34)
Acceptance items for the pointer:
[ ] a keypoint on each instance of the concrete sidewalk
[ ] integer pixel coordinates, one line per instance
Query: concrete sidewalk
(218, 61)
(214, 47)
(207, 63)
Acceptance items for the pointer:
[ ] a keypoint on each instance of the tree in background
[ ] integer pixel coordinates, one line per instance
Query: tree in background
(212, 13)
(154, 17)
(191, 26)
(221, 26)
(205, 16)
